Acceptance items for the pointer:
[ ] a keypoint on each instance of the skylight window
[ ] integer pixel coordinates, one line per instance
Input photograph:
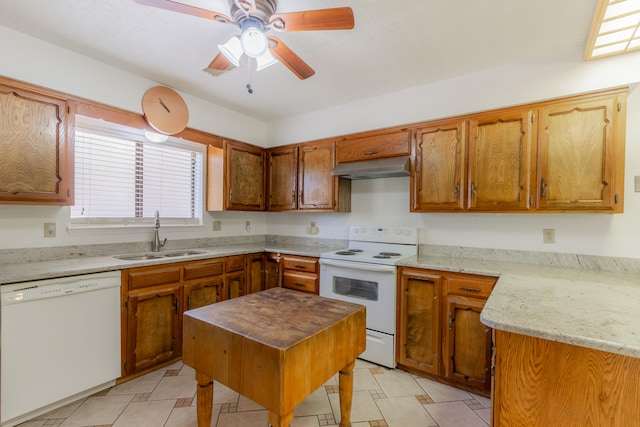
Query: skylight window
(615, 29)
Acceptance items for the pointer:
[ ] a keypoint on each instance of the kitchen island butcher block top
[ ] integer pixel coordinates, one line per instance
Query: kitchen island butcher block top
(275, 347)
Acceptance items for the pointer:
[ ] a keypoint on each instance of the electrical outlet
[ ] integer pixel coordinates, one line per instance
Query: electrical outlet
(247, 226)
(49, 229)
(548, 235)
(636, 182)
(216, 225)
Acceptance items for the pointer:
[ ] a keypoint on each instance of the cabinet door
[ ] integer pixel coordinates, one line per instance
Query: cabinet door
(154, 328)
(235, 285)
(255, 273)
(203, 292)
(316, 185)
(438, 180)
(419, 320)
(36, 166)
(245, 174)
(374, 145)
(282, 178)
(468, 343)
(500, 162)
(272, 271)
(578, 155)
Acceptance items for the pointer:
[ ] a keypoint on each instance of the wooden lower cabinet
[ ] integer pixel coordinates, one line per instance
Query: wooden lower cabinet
(540, 383)
(272, 270)
(439, 330)
(300, 273)
(418, 323)
(154, 298)
(154, 328)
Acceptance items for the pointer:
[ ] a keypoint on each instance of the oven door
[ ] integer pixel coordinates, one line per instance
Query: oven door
(371, 285)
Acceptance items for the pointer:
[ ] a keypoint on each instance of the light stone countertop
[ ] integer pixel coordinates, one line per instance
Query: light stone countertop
(588, 308)
(73, 266)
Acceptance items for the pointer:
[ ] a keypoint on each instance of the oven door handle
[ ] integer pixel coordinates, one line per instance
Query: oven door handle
(359, 265)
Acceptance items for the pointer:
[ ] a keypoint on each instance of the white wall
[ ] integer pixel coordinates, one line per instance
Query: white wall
(33, 61)
(386, 201)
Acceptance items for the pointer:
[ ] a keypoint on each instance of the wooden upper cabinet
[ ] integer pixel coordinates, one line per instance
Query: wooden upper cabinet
(581, 154)
(500, 169)
(438, 179)
(282, 178)
(318, 190)
(374, 145)
(235, 177)
(36, 166)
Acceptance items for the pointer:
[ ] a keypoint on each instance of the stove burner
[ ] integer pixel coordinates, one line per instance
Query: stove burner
(389, 254)
(354, 250)
(381, 256)
(349, 252)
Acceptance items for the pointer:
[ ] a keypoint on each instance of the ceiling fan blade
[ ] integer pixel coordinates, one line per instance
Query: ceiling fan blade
(338, 18)
(288, 57)
(219, 65)
(175, 6)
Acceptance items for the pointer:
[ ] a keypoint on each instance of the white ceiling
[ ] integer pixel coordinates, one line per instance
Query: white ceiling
(395, 45)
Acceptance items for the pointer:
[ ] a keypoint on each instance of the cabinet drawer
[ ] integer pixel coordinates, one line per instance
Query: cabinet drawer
(152, 276)
(309, 265)
(376, 146)
(234, 263)
(203, 269)
(473, 286)
(305, 282)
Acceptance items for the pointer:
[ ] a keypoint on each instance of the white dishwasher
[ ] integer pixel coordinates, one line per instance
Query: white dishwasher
(60, 338)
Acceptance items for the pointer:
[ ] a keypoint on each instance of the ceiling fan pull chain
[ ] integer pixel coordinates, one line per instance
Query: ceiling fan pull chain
(249, 88)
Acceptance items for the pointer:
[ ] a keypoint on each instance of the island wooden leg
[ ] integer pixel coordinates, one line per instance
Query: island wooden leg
(204, 398)
(345, 381)
(276, 420)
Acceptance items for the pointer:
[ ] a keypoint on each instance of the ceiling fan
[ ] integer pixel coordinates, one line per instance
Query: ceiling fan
(255, 18)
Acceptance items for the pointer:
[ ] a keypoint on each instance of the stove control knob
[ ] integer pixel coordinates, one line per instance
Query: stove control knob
(398, 231)
(407, 232)
(362, 230)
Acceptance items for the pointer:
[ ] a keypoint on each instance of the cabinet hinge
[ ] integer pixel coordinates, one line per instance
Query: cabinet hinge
(619, 106)
(616, 198)
(533, 118)
(69, 109)
(530, 200)
(125, 366)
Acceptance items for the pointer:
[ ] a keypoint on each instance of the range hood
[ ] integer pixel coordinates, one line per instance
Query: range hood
(377, 168)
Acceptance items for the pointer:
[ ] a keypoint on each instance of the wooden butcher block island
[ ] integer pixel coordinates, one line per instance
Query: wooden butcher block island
(275, 347)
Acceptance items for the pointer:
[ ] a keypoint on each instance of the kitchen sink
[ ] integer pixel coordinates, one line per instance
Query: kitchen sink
(182, 253)
(137, 257)
(146, 256)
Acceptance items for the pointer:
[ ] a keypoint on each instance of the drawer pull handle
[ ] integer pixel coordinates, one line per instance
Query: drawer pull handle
(299, 266)
(236, 266)
(369, 153)
(464, 288)
(298, 284)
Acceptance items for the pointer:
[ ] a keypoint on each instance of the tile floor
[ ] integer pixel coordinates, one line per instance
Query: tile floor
(381, 398)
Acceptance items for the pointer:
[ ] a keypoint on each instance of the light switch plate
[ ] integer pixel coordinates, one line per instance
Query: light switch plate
(636, 186)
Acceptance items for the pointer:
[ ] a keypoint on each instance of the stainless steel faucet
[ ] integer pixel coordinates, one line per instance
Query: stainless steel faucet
(155, 243)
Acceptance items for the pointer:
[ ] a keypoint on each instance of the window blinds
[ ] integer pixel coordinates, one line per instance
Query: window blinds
(126, 179)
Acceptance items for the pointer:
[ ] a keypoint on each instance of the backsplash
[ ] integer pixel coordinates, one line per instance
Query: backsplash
(10, 256)
(550, 259)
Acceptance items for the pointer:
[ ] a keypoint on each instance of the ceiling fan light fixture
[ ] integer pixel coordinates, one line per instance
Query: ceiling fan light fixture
(232, 50)
(265, 60)
(253, 40)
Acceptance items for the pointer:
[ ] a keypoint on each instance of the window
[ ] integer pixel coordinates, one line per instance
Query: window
(615, 28)
(122, 179)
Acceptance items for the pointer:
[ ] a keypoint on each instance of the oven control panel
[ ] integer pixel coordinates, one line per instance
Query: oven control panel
(368, 233)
